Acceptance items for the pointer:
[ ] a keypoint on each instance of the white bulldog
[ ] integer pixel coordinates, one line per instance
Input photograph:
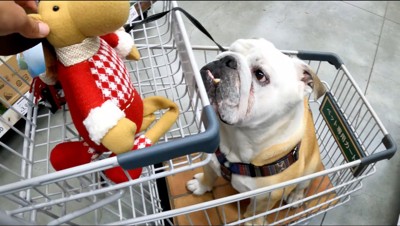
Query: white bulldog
(266, 129)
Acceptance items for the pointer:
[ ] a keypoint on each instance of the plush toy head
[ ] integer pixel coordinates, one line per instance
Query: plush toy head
(81, 19)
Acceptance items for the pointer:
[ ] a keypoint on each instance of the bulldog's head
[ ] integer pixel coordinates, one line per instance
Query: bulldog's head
(254, 82)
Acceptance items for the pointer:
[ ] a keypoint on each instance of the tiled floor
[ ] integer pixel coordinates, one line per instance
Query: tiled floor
(366, 35)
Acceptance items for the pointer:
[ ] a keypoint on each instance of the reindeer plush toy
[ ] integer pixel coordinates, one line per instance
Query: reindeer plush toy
(107, 111)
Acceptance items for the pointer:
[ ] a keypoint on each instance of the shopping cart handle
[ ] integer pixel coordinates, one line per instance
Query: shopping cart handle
(332, 58)
(391, 149)
(207, 141)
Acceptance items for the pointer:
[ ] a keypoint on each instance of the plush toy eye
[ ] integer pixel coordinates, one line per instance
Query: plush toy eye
(261, 76)
(56, 8)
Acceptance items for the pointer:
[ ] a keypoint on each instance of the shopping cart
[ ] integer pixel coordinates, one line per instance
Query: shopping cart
(32, 193)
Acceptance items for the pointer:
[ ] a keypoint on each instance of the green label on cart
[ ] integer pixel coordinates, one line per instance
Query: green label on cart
(341, 131)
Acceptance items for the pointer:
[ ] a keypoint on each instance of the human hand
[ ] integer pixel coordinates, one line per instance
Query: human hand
(13, 19)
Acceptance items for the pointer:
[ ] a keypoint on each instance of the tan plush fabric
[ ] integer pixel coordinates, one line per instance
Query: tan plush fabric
(156, 103)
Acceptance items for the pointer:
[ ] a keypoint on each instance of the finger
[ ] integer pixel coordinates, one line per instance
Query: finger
(32, 28)
(12, 16)
(13, 19)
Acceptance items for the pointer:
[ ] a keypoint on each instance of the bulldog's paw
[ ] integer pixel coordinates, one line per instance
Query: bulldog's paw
(196, 186)
(295, 196)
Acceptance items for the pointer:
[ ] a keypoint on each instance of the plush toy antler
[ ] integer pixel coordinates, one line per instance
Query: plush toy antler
(105, 107)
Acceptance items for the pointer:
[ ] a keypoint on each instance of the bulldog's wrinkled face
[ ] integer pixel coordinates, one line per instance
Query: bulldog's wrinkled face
(254, 83)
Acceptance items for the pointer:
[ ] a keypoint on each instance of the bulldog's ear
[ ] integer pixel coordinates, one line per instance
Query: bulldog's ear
(310, 78)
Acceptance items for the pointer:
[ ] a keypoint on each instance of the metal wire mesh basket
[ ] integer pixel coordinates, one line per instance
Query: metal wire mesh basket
(31, 192)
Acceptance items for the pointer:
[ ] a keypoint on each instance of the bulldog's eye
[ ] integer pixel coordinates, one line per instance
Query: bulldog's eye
(56, 8)
(261, 76)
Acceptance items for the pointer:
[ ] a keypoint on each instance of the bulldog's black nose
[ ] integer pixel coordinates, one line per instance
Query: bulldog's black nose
(229, 61)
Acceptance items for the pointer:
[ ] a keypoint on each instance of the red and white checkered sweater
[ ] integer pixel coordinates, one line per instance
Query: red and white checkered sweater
(97, 87)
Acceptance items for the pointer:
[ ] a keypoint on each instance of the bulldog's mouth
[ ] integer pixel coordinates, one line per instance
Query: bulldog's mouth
(221, 79)
(215, 81)
(212, 84)
(224, 96)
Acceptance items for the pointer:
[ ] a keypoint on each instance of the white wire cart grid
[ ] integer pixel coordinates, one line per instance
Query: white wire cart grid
(32, 193)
